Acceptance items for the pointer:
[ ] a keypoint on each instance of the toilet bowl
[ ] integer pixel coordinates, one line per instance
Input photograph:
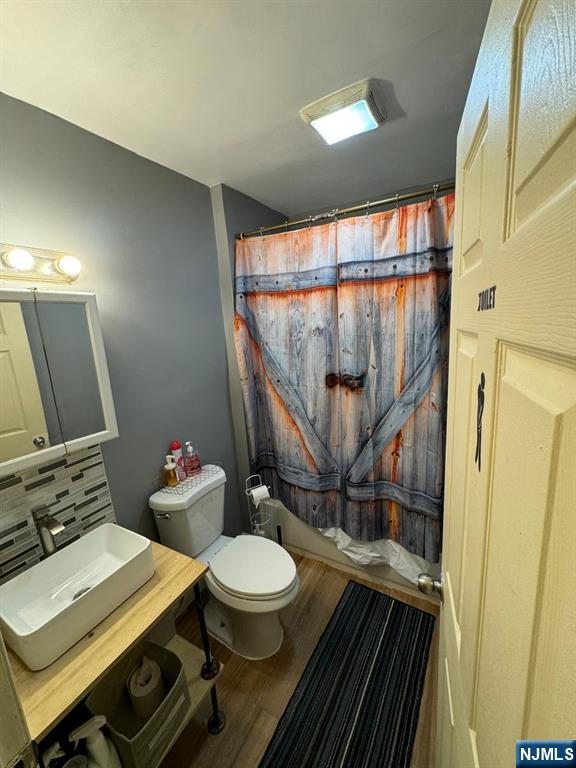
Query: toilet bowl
(250, 578)
(250, 581)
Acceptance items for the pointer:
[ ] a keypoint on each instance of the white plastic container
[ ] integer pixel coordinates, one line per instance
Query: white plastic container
(101, 751)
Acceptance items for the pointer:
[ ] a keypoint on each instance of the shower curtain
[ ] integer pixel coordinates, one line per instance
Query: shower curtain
(341, 334)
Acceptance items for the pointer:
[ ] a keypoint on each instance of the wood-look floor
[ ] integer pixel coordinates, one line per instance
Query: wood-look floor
(254, 694)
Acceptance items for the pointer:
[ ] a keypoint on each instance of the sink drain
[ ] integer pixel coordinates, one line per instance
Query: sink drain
(80, 593)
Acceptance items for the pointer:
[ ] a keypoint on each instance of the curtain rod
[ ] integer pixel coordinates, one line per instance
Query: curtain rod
(433, 190)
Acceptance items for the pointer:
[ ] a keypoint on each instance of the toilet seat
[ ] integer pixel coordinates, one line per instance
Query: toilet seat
(241, 596)
(247, 606)
(253, 568)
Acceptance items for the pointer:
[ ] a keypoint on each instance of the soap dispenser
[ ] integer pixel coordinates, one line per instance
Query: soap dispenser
(191, 460)
(171, 471)
(101, 751)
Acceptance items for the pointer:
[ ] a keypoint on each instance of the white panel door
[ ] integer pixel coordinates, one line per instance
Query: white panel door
(21, 411)
(508, 625)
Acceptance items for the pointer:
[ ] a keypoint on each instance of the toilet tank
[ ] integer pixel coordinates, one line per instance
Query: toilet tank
(190, 516)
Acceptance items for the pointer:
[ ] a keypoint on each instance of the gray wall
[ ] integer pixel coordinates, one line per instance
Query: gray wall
(146, 240)
(244, 214)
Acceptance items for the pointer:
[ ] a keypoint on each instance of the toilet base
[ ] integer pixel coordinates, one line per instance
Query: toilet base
(253, 636)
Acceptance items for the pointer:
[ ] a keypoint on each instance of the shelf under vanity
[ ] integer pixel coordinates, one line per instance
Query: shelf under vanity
(48, 695)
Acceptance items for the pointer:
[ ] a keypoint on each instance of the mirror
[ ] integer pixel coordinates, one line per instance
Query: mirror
(55, 394)
(66, 339)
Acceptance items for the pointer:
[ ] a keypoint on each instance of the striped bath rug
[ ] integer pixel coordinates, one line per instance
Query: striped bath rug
(357, 703)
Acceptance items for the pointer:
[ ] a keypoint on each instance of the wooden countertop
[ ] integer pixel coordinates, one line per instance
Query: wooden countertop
(48, 695)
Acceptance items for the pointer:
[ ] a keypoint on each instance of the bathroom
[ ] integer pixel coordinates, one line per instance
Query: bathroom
(351, 332)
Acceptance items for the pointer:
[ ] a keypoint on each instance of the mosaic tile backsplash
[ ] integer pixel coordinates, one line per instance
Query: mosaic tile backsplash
(76, 490)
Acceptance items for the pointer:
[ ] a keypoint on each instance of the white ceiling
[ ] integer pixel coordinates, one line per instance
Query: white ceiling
(212, 89)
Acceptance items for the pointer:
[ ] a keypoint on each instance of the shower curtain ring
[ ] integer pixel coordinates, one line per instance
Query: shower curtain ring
(261, 228)
(435, 191)
(396, 200)
(367, 207)
(286, 225)
(336, 211)
(309, 221)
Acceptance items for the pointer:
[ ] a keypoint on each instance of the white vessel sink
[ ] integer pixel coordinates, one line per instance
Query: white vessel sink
(49, 607)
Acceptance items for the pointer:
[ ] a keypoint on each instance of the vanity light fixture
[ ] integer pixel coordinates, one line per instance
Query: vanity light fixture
(357, 108)
(32, 264)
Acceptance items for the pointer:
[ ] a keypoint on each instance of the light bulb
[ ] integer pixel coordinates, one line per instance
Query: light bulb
(20, 259)
(69, 265)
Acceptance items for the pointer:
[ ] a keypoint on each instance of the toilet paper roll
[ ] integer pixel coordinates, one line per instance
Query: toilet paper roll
(146, 688)
(258, 494)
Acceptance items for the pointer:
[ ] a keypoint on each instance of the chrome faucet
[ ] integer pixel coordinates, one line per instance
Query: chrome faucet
(48, 528)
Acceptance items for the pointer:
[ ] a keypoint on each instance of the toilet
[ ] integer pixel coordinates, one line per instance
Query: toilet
(250, 578)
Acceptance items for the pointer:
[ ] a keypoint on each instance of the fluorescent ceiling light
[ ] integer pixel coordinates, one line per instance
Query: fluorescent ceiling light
(346, 122)
(347, 112)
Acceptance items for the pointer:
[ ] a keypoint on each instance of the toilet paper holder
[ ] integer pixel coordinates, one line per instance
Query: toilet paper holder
(256, 492)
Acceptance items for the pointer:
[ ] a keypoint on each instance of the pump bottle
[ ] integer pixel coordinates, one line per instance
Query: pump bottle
(191, 460)
(171, 471)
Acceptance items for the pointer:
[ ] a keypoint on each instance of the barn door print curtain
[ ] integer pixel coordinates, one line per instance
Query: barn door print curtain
(342, 340)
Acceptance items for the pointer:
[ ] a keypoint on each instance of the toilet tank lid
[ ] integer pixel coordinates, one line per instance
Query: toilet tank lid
(188, 491)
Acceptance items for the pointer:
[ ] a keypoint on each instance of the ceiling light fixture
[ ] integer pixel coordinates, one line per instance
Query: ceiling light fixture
(34, 264)
(355, 109)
